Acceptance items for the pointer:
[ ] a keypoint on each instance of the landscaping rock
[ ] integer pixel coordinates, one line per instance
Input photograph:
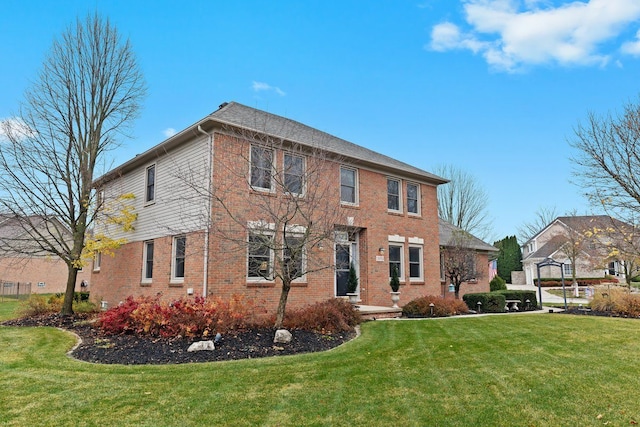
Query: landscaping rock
(201, 346)
(282, 337)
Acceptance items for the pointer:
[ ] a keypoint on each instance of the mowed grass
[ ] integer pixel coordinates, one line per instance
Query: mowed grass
(511, 370)
(9, 309)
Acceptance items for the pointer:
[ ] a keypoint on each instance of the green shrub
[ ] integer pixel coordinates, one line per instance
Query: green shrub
(35, 305)
(523, 296)
(442, 307)
(497, 284)
(492, 302)
(333, 315)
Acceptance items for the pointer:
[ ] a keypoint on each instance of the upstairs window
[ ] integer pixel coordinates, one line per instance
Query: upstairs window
(348, 185)
(393, 194)
(294, 170)
(261, 168)
(413, 198)
(150, 192)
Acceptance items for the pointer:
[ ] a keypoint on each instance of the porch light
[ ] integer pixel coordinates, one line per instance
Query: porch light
(381, 250)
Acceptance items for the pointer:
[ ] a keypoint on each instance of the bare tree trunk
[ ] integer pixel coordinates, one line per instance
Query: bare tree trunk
(282, 304)
(67, 305)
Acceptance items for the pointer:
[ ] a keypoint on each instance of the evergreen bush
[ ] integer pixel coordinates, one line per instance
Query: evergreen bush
(492, 302)
(497, 284)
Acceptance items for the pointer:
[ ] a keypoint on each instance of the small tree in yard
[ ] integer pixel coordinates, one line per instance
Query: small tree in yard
(86, 95)
(459, 260)
(295, 206)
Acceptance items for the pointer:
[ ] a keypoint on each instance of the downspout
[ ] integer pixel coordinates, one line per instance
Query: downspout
(207, 231)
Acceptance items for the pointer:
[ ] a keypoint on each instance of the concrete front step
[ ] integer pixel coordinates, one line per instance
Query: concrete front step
(372, 312)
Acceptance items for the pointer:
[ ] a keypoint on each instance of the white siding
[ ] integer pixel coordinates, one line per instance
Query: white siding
(177, 207)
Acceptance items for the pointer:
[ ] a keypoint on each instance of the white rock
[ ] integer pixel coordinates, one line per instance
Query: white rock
(201, 346)
(282, 336)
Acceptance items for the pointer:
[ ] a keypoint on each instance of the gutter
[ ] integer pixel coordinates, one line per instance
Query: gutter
(207, 231)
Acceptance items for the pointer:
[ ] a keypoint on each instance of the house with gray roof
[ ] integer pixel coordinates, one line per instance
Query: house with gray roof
(592, 238)
(229, 203)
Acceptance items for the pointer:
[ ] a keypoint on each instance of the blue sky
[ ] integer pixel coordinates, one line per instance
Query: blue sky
(494, 87)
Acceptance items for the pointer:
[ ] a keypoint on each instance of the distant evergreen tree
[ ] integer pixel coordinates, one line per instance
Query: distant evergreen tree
(509, 257)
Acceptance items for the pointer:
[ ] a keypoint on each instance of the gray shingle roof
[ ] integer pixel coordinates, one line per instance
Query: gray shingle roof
(447, 230)
(237, 115)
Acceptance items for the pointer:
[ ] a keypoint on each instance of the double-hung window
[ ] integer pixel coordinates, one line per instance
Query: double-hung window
(147, 267)
(150, 184)
(260, 256)
(97, 261)
(348, 186)
(393, 194)
(261, 168)
(413, 198)
(567, 269)
(179, 256)
(294, 256)
(396, 258)
(415, 264)
(294, 170)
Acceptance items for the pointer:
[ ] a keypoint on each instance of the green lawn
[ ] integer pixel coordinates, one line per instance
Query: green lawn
(8, 309)
(511, 370)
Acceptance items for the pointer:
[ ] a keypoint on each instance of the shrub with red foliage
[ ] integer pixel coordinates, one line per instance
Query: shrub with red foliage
(330, 316)
(442, 307)
(186, 317)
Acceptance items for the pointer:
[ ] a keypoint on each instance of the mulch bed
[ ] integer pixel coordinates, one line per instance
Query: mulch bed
(128, 349)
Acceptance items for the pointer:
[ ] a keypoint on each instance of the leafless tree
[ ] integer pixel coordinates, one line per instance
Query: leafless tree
(459, 260)
(85, 97)
(607, 160)
(543, 217)
(295, 211)
(463, 203)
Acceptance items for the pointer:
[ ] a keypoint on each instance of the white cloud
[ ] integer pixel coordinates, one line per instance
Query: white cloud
(14, 127)
(261, 86)
(169, 132)
(632, 47)
(512, 34)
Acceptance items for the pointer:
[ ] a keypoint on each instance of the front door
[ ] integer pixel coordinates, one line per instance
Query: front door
(345, 256)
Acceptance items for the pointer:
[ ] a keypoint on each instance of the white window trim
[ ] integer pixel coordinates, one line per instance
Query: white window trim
(146, 184)
(418, 201)
(174, 279)
(356, 189)
(421, 277)
(272, 188)
(401, 276)
(399, 195)
(145, 247)
(265, 232)
(97, 261)
(304, 173)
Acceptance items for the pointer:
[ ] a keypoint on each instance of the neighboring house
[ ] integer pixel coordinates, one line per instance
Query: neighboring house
(593, 237)
(386, 214)
(43, 272)
(483, 263)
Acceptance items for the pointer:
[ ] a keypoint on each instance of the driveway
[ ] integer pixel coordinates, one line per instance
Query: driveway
(550, 298)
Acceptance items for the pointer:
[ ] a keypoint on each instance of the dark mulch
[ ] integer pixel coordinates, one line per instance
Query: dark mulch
(129, 349)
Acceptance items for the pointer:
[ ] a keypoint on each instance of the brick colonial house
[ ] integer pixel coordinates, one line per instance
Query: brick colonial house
(215, 184)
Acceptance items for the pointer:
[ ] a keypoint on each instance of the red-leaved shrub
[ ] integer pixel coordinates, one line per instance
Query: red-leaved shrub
(442, 307)
(187, 317)
(330, 316)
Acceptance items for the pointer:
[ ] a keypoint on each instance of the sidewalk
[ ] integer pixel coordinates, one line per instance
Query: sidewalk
(550, 298)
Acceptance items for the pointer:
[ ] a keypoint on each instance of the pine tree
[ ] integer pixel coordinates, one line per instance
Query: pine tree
(509, 257)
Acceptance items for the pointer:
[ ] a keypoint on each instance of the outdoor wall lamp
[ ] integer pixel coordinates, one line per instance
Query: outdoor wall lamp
(381, 250)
